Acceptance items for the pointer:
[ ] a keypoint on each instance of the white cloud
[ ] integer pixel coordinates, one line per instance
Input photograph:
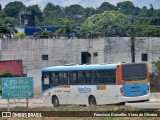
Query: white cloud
(32, 2)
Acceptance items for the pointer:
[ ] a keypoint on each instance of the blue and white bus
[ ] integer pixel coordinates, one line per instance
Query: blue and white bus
(95, 84)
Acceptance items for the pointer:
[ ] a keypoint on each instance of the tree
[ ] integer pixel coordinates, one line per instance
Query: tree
(88, 12)
(155, 82)
(106, 7)
(127, 8)
(6, 27)
(36, 11)
(0, 7)
(74, 10)
(151, 11)
(42, 33)
(12, 9)
(7, 31)
(111, 23)
(143, 12)
(52, 14)
(67, 27)
(51, 7)
(89, 30)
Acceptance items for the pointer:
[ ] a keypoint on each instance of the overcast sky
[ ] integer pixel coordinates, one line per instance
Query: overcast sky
(84, 3)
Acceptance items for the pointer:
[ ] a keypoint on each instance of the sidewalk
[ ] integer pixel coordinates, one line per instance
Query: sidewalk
(155, 97)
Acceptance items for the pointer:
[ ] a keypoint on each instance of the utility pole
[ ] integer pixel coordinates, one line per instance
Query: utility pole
(132, 41)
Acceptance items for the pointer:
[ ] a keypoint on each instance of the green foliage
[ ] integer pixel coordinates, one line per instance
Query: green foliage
(35, 10)
(7, 31)
(89, 11)
(127, 8)
(7, 74)
(51, 9)
(66, 27)
(106, 7)
(19, 35)
(108, 23)
(12, 9)
(156, 66)
(89, 30)
(74, 10)
(43, 33)
(0, 7)
(111, 20)
(6, 26)
(155, 81)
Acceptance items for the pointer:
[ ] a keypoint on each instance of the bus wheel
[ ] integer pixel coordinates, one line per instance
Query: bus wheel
(55, 101)
(92, 101)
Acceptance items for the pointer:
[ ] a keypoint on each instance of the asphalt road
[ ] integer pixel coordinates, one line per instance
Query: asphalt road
(139, 105)
(145, 105)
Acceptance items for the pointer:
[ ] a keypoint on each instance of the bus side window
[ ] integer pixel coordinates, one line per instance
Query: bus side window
(106, 76)
(90, 77)
(81, 77)
(70, 78)
(54, 78)
(65, 78)
(61, 77)
(46, 80)
(100, 77)
(75, 77)
(110, 76)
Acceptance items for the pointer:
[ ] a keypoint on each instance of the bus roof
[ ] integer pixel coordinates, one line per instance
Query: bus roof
(80, 67)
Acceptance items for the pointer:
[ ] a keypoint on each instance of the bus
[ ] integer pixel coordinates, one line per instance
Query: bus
(97, 84)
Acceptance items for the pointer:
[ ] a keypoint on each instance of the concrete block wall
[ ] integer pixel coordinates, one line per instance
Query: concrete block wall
(64, 51)
(60, 51)
(118, 49)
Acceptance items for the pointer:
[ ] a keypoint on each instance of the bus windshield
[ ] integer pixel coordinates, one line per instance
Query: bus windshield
(132, 72)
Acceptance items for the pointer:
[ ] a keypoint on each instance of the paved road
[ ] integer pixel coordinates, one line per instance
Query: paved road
(139, 105)
(145, 105)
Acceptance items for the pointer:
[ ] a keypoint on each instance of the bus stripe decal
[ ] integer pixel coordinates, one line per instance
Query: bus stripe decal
(101, 87)
(68, 86)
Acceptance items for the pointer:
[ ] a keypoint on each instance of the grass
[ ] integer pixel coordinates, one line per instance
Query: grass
(76, 108)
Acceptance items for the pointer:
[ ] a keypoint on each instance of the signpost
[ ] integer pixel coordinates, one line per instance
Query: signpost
(17, 88)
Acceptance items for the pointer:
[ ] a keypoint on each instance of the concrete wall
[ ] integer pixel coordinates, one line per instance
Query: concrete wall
(60, 51)
(118, 49)
(64, 51)
(36, 74)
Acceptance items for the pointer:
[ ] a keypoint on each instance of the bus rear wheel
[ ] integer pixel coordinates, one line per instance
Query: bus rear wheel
(55, 101)
(92, 101)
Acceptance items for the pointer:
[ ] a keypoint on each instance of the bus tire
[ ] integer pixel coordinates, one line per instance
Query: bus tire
(92, 101)
(55, 101)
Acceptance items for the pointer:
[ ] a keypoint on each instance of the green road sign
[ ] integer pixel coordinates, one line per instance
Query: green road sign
(17, 87)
